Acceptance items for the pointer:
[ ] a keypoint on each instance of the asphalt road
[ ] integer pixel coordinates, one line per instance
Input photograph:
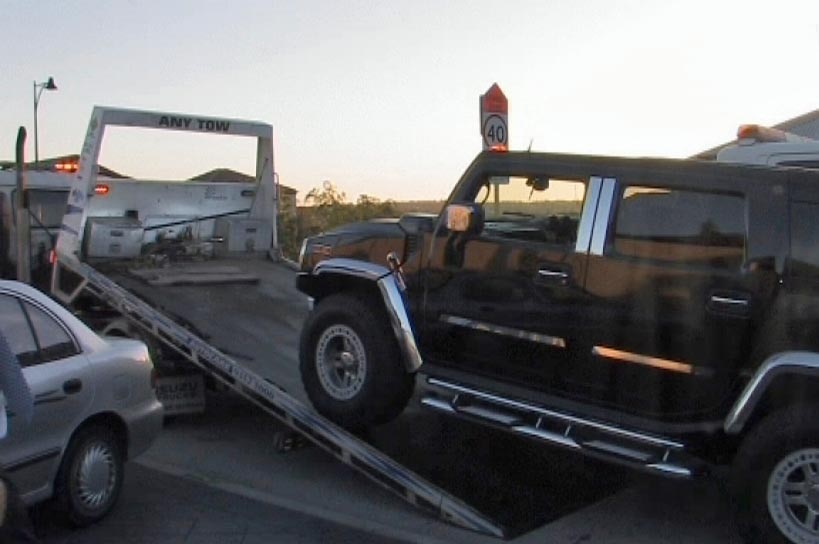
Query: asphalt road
(217, 478)
(159, 508)
(569, 498)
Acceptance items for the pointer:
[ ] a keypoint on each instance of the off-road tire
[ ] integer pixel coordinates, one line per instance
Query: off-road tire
(385, 388)
(757, 476)
(90, 477)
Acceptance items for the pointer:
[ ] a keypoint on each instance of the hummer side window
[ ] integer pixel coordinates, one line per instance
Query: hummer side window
(681, 226)
(535, 209)
(804, 240)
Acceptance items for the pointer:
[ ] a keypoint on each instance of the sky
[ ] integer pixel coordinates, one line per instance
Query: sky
(381, 97)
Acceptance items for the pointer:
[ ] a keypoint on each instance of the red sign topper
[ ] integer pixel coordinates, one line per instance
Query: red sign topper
(494, 129)
(494, 101)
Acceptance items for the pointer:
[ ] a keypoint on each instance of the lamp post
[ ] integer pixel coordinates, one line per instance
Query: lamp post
(38, 91)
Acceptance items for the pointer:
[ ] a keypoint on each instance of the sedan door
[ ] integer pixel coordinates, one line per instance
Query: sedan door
(54, 368)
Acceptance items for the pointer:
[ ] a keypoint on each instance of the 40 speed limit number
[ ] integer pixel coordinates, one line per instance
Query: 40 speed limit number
(494, 131)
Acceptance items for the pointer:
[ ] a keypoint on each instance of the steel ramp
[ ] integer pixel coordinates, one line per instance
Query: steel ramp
(353, 452)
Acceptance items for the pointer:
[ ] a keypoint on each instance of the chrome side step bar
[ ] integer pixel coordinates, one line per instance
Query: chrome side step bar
(644, 451)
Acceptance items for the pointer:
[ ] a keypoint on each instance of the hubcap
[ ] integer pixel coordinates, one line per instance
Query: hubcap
(341, 362)
(793, 495)
(96, 476)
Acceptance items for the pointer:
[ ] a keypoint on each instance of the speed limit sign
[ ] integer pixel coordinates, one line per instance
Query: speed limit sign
(495, 133)
(494, 109)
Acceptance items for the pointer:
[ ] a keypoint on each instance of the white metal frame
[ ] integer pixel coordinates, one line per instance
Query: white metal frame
(265, 204)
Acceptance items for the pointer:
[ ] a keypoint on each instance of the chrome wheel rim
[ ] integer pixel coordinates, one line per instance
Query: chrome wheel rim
(341, 362)
(793, 495)
(96, 476)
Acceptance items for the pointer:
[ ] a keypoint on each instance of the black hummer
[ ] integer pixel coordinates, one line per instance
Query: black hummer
(659, 313)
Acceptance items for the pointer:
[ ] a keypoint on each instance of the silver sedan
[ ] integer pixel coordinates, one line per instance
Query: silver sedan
(94, 406)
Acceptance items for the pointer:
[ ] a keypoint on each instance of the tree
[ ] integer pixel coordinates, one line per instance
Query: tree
(330, 207)
(327, 196)
(327, 208)
(368, 207)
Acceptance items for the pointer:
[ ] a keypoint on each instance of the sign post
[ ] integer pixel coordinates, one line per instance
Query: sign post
(494, 123)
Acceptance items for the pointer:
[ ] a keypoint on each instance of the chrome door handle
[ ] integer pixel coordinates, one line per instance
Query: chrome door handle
(729, 304)
(735, 302)
(553, 274)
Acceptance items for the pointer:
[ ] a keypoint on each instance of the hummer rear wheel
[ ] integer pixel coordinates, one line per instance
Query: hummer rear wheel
(775, 478)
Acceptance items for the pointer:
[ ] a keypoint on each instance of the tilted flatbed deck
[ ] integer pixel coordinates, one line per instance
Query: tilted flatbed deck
(256, 323)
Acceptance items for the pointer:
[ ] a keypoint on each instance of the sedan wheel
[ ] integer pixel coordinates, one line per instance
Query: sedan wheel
(90, 477)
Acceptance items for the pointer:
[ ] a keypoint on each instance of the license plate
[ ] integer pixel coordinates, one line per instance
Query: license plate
(181, 394)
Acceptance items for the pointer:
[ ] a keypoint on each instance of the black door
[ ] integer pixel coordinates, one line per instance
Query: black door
(504, 302)
(673, 294)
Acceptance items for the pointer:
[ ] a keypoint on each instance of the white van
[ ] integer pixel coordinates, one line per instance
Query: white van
(771, 147)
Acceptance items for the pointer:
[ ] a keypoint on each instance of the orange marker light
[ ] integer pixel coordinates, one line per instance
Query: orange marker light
(101, 189)
(761, 134)
(66, 167)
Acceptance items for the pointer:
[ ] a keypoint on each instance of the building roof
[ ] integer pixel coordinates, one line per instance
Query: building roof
(228, 175)
(218, 174)
(225, 175)
(50, 165)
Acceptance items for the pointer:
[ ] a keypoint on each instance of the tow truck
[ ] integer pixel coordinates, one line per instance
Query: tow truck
(122, 282)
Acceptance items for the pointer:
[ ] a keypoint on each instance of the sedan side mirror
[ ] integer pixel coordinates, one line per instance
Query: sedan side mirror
(466, 218)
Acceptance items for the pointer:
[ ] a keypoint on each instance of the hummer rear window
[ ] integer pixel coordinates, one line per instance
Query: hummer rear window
(805, 239)
(681, 226)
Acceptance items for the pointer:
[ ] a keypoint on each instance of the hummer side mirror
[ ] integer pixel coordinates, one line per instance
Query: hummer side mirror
(466, 218)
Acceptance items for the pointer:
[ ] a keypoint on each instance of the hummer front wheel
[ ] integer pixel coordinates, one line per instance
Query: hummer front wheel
(350, 363)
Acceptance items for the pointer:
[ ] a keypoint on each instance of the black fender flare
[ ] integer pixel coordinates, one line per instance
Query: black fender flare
(804, 363)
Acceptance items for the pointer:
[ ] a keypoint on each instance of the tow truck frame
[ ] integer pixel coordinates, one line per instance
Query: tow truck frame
(72, 276)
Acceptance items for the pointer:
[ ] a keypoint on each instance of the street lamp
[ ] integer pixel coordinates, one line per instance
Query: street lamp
(38, 91)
